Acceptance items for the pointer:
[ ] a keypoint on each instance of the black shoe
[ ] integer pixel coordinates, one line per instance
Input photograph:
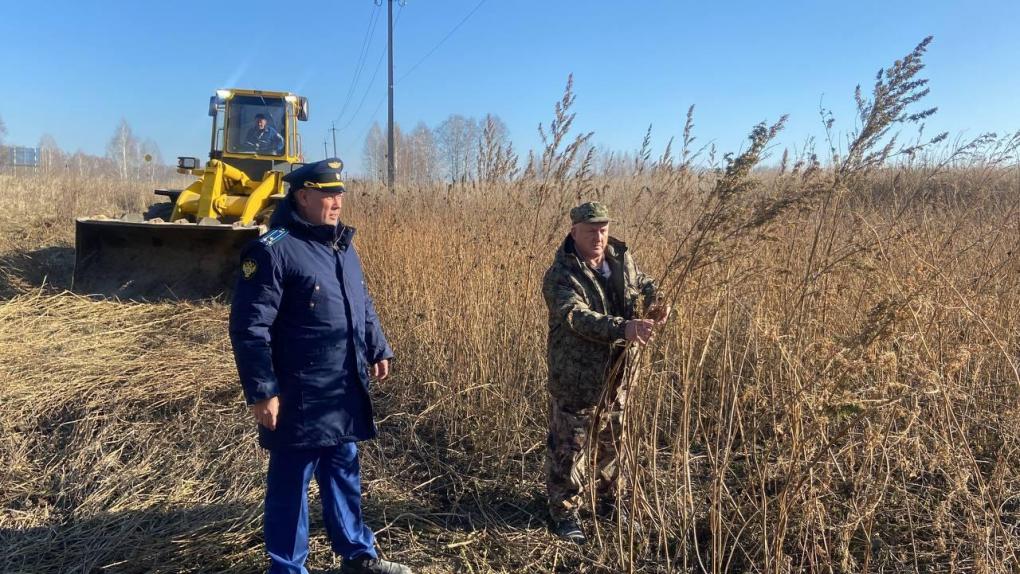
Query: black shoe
(569, 530)
(367, 565)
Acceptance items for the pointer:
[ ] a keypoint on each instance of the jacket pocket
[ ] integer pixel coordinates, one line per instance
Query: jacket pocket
(326, 373)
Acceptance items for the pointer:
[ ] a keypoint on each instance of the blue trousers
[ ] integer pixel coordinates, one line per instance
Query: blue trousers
(338, 473)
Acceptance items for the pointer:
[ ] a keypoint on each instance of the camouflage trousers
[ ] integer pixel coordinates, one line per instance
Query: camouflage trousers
(581, 443)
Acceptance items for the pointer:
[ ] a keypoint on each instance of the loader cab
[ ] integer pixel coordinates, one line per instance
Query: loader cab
(256, 131)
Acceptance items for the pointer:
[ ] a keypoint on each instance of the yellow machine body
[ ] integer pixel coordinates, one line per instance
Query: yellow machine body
(224, 192)
(188, 248)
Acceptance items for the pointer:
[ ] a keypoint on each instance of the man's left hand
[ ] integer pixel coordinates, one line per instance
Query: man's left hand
(381, 370)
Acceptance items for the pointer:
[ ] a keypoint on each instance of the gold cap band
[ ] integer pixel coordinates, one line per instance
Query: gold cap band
(315, 185)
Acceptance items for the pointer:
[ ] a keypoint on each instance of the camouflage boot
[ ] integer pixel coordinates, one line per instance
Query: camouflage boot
(569, 529)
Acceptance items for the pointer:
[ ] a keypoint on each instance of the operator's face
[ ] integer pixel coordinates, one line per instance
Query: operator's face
(590, 239)
(261, 123)
(320, 207)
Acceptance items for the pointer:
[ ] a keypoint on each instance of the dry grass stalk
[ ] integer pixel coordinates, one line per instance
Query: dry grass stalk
(836, 393)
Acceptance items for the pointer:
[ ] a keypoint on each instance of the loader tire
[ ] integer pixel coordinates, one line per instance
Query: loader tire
(160, 210)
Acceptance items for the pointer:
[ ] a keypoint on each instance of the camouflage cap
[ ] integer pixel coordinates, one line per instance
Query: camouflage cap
(590, 212)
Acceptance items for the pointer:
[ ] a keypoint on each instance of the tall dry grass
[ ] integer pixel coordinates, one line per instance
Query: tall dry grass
(836, 391)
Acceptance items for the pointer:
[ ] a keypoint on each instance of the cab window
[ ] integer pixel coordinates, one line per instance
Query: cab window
(256, 125)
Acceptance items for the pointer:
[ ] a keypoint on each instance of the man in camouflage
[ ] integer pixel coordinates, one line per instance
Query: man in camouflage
(594, 293)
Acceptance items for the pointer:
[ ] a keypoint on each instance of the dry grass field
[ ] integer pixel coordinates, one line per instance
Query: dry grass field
(837, 390)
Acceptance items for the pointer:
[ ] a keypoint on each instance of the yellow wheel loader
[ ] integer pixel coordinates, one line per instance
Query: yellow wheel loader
(188, 247)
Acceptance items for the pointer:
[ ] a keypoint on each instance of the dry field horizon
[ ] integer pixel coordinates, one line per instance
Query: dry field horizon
(837, 390)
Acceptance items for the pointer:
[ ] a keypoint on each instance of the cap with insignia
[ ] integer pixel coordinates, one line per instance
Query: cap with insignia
(590, 212)
(321, 176)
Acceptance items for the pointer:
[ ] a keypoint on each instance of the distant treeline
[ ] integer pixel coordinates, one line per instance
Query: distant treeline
(127, 157)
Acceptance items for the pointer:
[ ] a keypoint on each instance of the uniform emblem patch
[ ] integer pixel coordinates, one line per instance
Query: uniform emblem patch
(248, 268)
(334, 164)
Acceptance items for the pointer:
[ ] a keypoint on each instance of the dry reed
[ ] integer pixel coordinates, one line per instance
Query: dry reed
(837, 390)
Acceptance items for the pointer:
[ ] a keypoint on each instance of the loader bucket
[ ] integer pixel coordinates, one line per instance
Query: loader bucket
(153, 260)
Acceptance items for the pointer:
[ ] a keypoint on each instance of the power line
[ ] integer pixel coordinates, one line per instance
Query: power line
(371, 120)
(375, 73)
(375, 112)
(373, 21)
(362, 57)
(441, 42)
(367, 90)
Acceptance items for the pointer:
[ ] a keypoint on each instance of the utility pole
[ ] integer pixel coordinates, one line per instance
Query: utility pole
(333, 129)
(390, 171)
(325, 149)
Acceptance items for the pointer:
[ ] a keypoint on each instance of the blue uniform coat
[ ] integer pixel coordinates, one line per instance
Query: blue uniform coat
(303, 327)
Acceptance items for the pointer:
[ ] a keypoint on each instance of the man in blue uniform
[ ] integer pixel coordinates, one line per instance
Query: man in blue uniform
(306, 337)
(262, 137)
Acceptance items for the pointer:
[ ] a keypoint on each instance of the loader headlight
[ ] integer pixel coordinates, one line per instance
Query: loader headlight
(291, 98)
(223, 94)
(188, 163)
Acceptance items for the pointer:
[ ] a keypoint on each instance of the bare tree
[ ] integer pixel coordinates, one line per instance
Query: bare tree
(418, 157)
(50, 155)
(123, 149)
(458, 145)
(373, 155)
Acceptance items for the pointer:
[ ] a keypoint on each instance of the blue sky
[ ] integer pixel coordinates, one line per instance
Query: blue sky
(74, 69)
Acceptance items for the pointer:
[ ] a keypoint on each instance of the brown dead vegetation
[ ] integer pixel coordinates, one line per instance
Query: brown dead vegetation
(837, 390)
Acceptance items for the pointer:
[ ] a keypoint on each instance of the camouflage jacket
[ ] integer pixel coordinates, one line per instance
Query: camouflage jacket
(584, 340)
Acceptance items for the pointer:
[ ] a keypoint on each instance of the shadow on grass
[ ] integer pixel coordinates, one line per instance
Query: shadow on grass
(50, 268)
(216, 538)
(206, 538)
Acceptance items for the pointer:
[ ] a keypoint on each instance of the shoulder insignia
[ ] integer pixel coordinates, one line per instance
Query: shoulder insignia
(248, 268)
(273, 236)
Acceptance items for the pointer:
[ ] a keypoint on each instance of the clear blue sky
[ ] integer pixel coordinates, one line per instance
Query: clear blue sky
(73, 69)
